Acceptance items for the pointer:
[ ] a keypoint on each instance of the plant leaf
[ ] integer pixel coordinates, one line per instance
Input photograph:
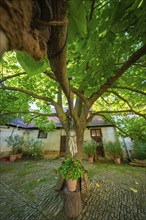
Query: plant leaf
(134, 190)
(31, 66)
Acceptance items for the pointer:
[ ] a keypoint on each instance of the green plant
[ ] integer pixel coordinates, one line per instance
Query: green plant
(19, 149)
(113, 149)
(139, 150)
(16, 142)
(90, 147)
(34, 148)
(71, 168)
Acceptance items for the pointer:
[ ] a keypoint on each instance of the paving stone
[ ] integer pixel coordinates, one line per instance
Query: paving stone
(112, 200)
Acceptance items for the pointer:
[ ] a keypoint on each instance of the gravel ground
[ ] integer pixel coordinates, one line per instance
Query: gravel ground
(27, 192)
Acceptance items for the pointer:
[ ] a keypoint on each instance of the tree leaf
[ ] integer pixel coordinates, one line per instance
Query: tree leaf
(31, 66)
(77, 19)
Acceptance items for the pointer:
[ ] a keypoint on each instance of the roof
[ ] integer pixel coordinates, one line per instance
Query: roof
(97, 121)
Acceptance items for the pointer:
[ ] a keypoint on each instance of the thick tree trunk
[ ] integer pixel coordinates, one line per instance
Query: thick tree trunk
(58, 42)
(72, 203)
(80, 139)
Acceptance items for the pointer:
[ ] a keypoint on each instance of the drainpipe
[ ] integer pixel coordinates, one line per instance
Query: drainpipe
(127, 151)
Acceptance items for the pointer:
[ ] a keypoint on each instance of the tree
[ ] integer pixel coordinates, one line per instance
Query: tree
(102, 72)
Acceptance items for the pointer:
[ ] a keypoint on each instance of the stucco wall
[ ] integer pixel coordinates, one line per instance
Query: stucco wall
(108, 134)
(52, 142)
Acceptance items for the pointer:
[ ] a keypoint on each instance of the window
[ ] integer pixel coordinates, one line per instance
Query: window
(42, 134)
(95, 132)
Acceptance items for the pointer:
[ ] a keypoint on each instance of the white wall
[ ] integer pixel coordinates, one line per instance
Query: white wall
(52, 142)
(108, 134)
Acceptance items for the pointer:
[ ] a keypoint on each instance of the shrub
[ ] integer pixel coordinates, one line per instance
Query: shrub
(139, 150)
(90, 147)
(16, 142)
(113, 149)
(34, 148)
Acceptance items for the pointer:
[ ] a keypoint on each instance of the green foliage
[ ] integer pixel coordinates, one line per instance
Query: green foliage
(45, 124)
(90, 147)
(134, 126)
(102, 40)
(139, 150)
(34, 148)
(113, 149)
(16, 142)
(77, 19)
(31, 66)
(71, 168)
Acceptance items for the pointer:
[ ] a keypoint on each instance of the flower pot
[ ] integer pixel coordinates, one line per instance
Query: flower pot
(19, 155)
(117, 160)
(71, 185)
(90, 159)
(13, 157)
(6, 158)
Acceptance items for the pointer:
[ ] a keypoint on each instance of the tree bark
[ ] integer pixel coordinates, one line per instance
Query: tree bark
(72, 203)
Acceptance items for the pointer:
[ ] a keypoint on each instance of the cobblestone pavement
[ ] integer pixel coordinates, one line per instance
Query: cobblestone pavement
(27, 192)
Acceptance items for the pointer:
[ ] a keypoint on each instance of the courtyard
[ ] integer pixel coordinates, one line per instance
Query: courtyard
(28, 191)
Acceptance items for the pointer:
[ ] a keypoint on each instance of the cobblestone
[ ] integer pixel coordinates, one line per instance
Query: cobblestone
(27, 192)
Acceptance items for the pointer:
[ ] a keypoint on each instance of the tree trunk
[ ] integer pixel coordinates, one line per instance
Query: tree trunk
(80, 139)
(72, 203)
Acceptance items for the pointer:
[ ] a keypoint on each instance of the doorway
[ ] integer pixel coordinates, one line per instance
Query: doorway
(96, 135)
(62, 145)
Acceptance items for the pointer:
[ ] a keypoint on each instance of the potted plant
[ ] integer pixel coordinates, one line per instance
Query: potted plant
(72, 170)
(113, 149)
(16, 142)
(19, 151)
(90, 149)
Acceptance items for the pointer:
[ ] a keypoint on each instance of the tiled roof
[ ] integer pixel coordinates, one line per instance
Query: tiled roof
(19, 122)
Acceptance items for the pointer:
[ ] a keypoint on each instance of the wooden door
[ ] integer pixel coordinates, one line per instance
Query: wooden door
(62, 146)
(97, 136)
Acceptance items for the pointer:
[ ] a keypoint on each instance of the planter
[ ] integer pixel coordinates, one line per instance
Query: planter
(19, 155)
(90, 159)
(71, 185)
(13, 157)
(117, 160)
(6, 158)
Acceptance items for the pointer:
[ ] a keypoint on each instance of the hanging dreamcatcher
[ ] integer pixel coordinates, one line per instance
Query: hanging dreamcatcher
(73, 142)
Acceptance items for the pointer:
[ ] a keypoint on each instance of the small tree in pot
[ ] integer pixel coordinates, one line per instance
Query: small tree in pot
(113, 149)
(90, 149)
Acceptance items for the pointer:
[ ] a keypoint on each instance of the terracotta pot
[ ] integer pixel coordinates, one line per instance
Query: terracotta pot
(19, 155)
(90, 159)
(117, 160)
(71, 185)
(13, 157)
(6, 158)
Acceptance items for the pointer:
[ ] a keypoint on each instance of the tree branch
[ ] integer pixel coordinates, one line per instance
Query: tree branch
(51, 75)
(28, 93)
(114, 124)
(92, 9)
(29, 112)
(80, 94)
(124, 100)
(112, 112)
(129, 88)
(11, 76)
(132, 59)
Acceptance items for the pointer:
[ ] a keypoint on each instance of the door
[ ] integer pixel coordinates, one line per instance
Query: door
(62, 146)
(96, 135)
